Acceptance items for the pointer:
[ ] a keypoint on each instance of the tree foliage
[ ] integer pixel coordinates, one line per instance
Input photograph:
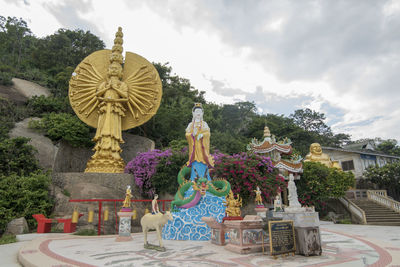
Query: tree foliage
(386, 177)
(319, 183)
(17, 156)
(64, 126)
(389, 147)
(310, 120)
(22, 196)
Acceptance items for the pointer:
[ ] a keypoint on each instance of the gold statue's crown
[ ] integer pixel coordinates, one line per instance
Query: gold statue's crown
(116, 54)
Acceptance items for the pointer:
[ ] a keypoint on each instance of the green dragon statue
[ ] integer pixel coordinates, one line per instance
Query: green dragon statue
(201, 185)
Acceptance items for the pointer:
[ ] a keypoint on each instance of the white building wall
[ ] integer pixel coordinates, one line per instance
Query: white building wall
(346, 156)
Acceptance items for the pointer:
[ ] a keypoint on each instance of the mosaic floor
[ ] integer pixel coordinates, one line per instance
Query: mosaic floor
(339, 249)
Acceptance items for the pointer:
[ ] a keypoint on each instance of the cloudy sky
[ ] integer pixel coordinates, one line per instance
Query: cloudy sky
(338, 57)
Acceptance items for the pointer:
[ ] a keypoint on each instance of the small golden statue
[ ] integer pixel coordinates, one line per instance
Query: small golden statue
(233, 205)
(258, 199)
(316, 155)
(128, 196)
(112, 95)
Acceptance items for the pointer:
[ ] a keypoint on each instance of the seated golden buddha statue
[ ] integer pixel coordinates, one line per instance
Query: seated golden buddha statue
(316, 155)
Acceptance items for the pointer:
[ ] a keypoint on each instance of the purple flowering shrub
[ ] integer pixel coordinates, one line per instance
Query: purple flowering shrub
(247, 171)
(143, 168)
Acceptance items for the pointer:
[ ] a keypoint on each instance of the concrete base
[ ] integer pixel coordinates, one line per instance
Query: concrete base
(261, 211)
(300, 219)
(124, 226)
(246, 236)
(217, 231)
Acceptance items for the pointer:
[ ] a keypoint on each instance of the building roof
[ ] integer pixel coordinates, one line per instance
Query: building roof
(268, 145)
(295, 167)
(361, 151)
(369, 145)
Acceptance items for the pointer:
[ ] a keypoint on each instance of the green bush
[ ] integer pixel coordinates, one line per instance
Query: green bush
(5, 78)
(17, 156)
(39, 105)
(319, 183)
(7, 68)
(23, 196)
(33, 75)
(10, 113)
(7, 239)
(86, 232)
(64, 126)
(165, 178)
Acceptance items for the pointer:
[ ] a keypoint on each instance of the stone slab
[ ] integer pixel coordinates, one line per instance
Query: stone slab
(300, 219)
(308, 241)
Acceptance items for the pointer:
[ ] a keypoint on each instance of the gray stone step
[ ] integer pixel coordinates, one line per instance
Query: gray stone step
(377, 214)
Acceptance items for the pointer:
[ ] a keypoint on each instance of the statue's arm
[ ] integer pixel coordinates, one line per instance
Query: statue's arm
(101, 90)
(123, 91)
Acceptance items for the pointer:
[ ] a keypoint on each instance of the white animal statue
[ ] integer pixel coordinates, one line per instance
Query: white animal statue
(155, 221)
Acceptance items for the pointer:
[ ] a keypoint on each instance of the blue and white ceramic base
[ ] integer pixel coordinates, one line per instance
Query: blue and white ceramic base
(187, 223)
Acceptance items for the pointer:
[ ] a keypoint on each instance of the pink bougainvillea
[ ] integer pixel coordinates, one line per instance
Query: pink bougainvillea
(247, 171)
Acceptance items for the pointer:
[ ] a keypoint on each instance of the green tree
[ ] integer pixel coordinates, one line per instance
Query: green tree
(389, 147)
(310, 121)
(65, 48)
(386, 177)
(15, 41)
(319, 183)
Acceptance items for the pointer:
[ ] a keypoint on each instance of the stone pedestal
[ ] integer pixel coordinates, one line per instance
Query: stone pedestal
(261, 211)
(232, 218)
(306, 226)
(308, 241)
(217, 231)
(246, 236)
(124, 234)
(300, 219)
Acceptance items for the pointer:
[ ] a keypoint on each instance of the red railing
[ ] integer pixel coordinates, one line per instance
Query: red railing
(100, 201)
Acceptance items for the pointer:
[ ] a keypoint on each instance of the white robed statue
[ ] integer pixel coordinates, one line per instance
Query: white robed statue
(294, 204)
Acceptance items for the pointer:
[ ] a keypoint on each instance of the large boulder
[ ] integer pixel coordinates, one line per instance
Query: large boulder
(10, 93)
(29, 89)
(45, 147)
(67, 186)
(17, 227)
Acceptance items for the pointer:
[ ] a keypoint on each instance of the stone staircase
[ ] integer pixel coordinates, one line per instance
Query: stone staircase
(377, 214)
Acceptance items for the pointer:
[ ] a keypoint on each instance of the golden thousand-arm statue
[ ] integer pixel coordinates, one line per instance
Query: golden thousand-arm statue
(112, 95)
